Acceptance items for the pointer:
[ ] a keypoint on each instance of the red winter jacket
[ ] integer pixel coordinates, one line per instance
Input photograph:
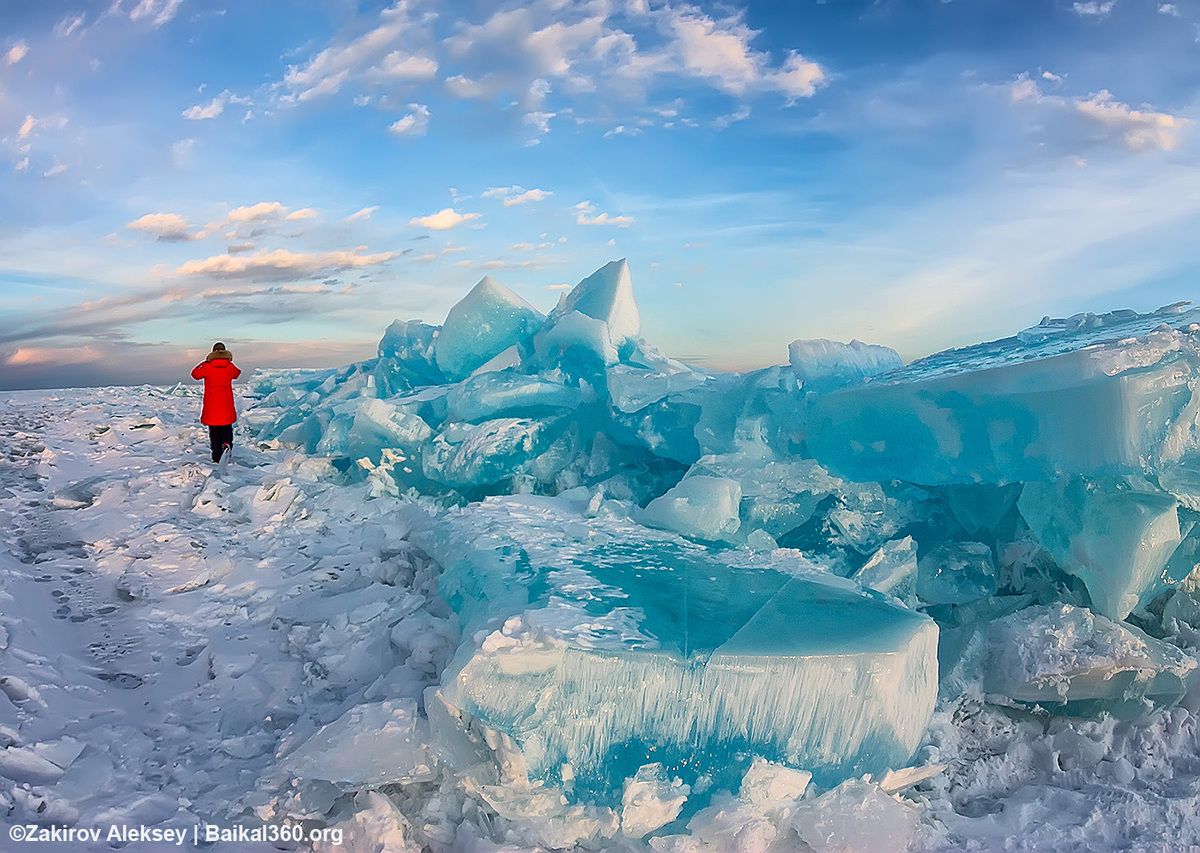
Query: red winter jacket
(218, 374)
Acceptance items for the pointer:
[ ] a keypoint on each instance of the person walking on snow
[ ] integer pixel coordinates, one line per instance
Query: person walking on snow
(218, 372)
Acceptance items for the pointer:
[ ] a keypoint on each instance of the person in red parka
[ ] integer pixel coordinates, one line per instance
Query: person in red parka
(218, 372)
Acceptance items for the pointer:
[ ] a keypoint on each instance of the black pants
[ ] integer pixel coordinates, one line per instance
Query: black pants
(220, 437)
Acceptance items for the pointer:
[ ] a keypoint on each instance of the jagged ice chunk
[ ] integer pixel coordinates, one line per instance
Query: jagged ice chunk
(487, 321)
(1116, 539)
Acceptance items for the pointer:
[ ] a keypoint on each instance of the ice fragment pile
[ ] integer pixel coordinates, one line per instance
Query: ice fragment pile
(658, 566)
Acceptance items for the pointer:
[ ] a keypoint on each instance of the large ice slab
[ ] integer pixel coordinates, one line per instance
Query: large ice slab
(1113, 399)
(487, 395)
(647, 378)
(605, 646)
(486, 322)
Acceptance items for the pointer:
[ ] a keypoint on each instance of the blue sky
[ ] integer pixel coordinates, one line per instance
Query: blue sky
(290, 176)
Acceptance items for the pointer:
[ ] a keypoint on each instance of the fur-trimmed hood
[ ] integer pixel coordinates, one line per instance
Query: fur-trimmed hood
(221, 353)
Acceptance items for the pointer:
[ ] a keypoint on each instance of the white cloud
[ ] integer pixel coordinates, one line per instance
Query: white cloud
(1138, 129)
(622, 130)
(719, 52)
(281, 264)
(1024, 89)
(200, 112)
(448, 249)
(302, 213)
(498, 264)
(464, 87)
(214, 108)
(255, 212)
(585, 214)
(515, 56)
(381, 55)
(414, 123)
(533, 247)
(408, 67)
(521, 45)
(32, 125)
(181, 152)
(798, 78)
(170, 227)
(158, 11)
(740, 114)
(1094, 8)
(55, 170)
(1169, 9)
(364, 213)
(16, 53)
(443, 220)
(69, 25)
(531, 195)
(539, 120)
(513, 196)
(22, 165)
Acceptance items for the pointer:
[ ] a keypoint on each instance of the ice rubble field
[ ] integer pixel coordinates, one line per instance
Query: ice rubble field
(524, 582)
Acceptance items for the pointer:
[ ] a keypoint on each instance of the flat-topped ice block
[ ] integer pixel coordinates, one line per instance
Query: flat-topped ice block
(1109, 400)
(603, 645)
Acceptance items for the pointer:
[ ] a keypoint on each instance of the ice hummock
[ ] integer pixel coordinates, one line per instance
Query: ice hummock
(1092, 421)
(603, 645)
(1058, 468)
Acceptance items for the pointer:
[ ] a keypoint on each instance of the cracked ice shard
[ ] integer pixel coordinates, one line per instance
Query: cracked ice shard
(604, 645)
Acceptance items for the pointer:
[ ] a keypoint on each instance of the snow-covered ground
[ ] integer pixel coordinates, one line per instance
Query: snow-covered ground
(171, 638)
(166, 630)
